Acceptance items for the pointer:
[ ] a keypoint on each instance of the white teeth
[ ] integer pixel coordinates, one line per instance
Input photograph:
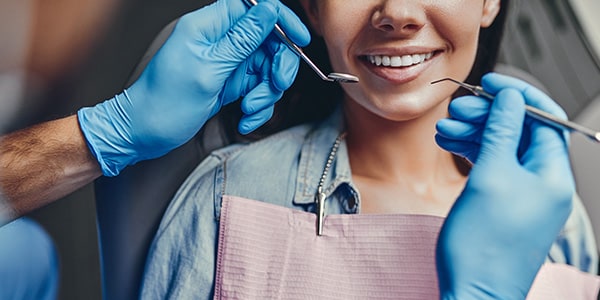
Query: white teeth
(386, 60)
(398, 61)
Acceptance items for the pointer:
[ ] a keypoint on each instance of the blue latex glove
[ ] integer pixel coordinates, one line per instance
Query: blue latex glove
(214, 55)
(517, 197)
(29, 263)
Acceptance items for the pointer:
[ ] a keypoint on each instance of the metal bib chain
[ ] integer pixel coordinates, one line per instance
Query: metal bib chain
(320, 196)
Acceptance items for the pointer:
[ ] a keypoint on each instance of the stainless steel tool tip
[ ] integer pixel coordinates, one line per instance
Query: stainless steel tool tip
(342, 77)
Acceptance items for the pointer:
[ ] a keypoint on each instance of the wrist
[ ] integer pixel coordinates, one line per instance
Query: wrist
(104, 128)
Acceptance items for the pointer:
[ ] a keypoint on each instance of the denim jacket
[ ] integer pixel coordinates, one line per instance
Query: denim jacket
(284, 169)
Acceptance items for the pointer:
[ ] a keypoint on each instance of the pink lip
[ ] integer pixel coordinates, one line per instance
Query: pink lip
(394, 51)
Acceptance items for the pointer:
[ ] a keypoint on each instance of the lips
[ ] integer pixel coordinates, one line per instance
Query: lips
(397, 69)
(398, 61)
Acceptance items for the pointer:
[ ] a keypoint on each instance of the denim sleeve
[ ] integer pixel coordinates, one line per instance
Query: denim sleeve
(576, 245)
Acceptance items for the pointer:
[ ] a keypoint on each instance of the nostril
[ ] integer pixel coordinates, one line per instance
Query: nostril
(404, 19)
(410, 27)
(386, 27)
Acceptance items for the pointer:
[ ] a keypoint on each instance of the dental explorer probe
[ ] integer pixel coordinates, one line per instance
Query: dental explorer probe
(332, 77)
(533, 112)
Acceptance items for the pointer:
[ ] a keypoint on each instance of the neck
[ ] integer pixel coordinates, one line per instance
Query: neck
(385, 150)
(397, 166)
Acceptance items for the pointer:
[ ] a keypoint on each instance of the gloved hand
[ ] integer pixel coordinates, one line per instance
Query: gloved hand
(214, 55)
(517, 197)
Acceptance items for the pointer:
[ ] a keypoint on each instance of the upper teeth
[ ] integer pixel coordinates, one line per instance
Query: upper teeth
(398, 61)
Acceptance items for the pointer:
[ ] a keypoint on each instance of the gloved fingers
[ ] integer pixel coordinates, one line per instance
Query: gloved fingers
(547, 158)
(281, 69)
(260, 98)
(461, 134)
(545, 143)
(547, 153)
(258, 107)
(230, 11)
(293, 27)
(291, 24)
(247, 34)
(237, 85)
(277, 74)
(494, 83)
(466, 149)
(459, 130)
(250, 31)
(285, 68)
(215, 20)
(471, 109)
(249, 74)
(502, 133)
(251, 122)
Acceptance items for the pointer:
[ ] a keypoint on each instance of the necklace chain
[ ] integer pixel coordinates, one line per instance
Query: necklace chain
(320, 196)
(330, 159)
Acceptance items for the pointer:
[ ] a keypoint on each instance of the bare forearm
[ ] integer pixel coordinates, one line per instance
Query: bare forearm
(43, 163)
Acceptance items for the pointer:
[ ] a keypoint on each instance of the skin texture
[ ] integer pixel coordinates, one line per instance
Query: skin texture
(391, 113)
(43, 163)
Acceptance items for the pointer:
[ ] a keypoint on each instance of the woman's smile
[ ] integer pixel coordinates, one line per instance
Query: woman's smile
(397, 48)
(398, 68)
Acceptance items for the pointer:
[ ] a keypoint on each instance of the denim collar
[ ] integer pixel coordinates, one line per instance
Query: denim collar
(313, 158)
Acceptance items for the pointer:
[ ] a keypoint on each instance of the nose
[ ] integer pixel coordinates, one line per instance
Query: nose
(399, 16)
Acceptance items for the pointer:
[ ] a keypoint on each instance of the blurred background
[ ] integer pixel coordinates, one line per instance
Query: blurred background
(555, 41)
(110, 39)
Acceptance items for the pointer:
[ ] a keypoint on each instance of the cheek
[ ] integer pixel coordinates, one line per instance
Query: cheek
(462, 33)
(335, 17)
(340, 27)
(462, 39)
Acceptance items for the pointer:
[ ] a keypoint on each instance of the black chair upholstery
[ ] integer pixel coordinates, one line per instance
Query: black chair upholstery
(130, 206)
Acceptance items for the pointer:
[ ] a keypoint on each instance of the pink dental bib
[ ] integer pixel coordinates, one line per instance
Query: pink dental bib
(271, 252)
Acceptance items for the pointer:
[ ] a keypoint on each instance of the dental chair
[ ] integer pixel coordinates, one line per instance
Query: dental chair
(130, 206)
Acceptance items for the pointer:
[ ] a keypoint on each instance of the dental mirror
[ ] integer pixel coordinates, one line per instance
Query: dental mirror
(342, 77)
(332, 77)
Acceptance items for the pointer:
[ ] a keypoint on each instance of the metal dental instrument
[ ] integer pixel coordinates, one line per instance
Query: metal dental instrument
(320, 201)
(533, 112)
(332, 77)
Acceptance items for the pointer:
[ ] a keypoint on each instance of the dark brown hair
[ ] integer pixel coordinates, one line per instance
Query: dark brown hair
(311, 99)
